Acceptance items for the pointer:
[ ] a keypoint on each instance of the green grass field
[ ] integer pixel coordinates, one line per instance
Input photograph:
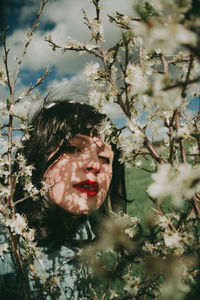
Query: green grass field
(137, 181)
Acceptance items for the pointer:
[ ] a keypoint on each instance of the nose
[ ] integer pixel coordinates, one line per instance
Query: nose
(92, 166)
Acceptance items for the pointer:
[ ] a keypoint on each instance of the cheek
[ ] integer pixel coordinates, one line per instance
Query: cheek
(50, 176)
(106, 176)
(57, 192)
(59, 171)
(104, 183)
(58, 177)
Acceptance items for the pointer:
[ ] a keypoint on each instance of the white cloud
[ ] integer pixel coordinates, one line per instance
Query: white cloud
(113, 111)
(77, 88)
(68, 19)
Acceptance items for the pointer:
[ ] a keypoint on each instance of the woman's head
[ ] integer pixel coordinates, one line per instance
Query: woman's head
(67, 152)
(81, 176)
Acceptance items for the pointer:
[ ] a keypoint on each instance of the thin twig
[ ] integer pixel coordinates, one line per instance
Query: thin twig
(196, 206)
(181, 84)
(126, 43)
(165, 64)
(5, 60)
(154, 153)
(23, 276)
(111, 278)
(175, 61)
(29, 35)
(171, 144)
(187, 76)
(39, 81)
(71, 48)
(21, 200)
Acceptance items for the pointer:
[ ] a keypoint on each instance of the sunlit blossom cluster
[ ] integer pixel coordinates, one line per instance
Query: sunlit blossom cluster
(132, 283)
(136, 79)
(3, 77)
(166, 38)
(96, 29)
(179, 183)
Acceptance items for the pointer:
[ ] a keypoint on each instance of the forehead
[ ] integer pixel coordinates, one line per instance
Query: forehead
(87, 141)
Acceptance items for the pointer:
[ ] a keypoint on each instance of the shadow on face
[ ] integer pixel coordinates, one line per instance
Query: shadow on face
(81, 176)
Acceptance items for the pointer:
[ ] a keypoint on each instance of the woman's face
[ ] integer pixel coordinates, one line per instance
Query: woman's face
(81, 176)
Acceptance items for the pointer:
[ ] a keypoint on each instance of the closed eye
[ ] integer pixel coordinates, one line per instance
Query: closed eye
(71, 149)
(104, 159)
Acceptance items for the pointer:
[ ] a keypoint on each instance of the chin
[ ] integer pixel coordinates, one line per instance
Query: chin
(86, 211)
(83, 211)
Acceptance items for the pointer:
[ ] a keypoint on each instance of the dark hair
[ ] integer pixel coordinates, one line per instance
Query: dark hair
(53, 123)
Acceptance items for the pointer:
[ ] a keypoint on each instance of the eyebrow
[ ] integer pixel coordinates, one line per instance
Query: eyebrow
(81, 137)
(55, 156)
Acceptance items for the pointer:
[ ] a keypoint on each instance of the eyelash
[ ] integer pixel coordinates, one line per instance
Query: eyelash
(72, 149)
(104, 159)
(75, 149)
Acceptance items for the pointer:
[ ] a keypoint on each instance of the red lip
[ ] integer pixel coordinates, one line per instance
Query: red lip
(88, 186)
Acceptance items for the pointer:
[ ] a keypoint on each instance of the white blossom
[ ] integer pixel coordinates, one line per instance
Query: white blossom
(193, 149)
(3, 248)
(166, 36)
(45, 188)
(172, 239)
(12, 109)
(183, 132)
(148, 247)
(91, 71)
(176, 285)
(136, 78)
(132, 284)
(195, 72)
(97, 29)
(29, 235)
(163, 221)
(23, 126)
(2, 105)
(17, 223)
(105, 129)
(167, 100)
(131, 141)
(3, 76)
(28, 186)
(161, 185)
(90, 46)
(138, 163)
(113, 294)
(179, 184)
(26, 136)
(28, 170)
(130, 232)
(96, 99)
(72, 44)
(4, 191)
